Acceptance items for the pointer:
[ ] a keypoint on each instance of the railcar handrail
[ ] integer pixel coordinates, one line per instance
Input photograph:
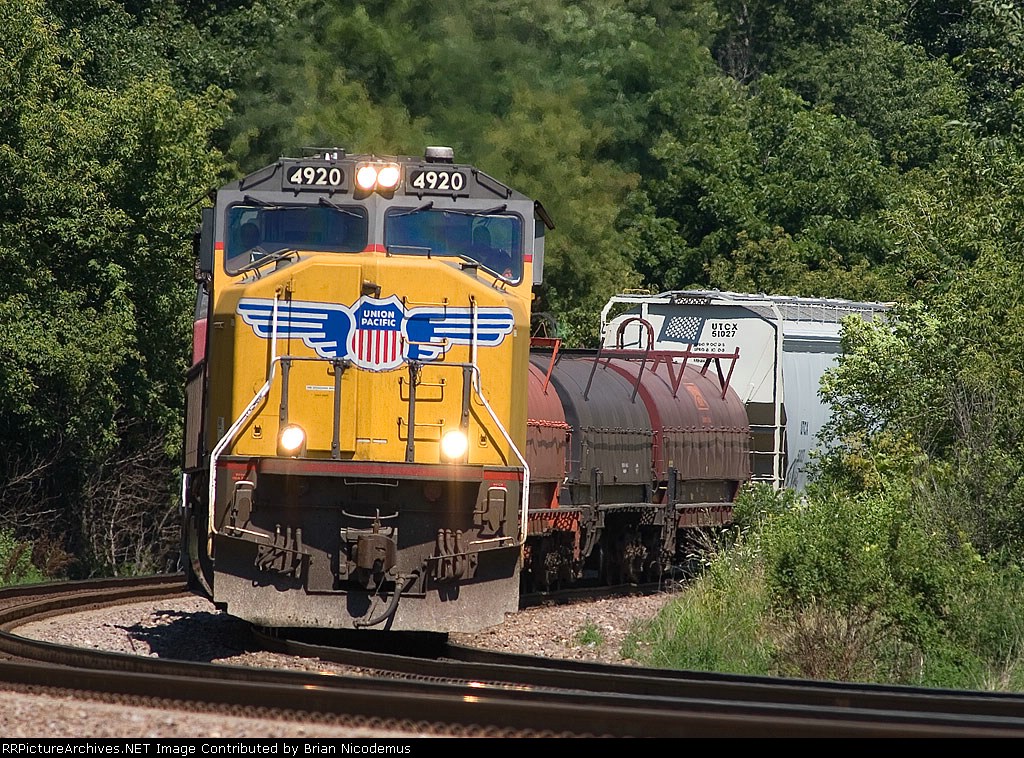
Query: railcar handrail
(667, 357)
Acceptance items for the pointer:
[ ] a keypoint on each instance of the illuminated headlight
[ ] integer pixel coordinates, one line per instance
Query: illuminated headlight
(366, 177)
(454, 444)
(378, 176)
(291, 440)
(388, 176)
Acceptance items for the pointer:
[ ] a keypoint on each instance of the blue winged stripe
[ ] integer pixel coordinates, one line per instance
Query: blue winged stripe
(321, 326)
(432, 330)
(327, 328)
(457, 325)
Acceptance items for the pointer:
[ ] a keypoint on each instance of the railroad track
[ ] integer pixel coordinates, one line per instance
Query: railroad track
(462, 691)
(577, 594)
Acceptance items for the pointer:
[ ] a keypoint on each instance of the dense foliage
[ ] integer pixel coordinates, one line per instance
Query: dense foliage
(869, 149)
(847, 588)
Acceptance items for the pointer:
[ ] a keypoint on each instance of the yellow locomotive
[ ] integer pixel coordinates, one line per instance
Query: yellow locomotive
(356, 409)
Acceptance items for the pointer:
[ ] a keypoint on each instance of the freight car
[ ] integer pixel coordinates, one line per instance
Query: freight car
(369, 442)
(633, 455)
(788, 343)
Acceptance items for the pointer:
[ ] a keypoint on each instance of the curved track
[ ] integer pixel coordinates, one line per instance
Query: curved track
(455, 690)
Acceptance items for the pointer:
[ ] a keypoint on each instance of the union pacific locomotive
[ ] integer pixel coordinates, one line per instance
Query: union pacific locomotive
(371, 442)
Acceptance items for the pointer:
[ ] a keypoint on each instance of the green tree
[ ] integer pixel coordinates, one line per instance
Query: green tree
(981, 40)
(768, 195)
(98, 185)
(933, 396)
(196, 43)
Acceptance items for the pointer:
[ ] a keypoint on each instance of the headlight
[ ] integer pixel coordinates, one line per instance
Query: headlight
(388, 176)
(454, 445)
(383, 177)
(291, 440)
(366, 177)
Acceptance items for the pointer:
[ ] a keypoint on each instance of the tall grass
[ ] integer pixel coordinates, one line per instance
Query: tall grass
(16, 565)
(717, 624)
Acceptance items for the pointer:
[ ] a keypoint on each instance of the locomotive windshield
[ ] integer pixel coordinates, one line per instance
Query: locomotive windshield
(255, 231)
(494, 240)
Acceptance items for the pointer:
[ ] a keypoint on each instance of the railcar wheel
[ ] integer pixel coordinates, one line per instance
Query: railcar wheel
(609, 563)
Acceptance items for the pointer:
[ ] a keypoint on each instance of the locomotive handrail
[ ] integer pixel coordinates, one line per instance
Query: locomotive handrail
(442, 342)
(409, 302)
(229, 435)
(475, 373)
(512, 445)
(439, 424)
(478, 390)
(477, 387)
(262, 393)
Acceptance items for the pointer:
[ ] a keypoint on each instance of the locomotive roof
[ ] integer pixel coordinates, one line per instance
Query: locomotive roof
(331, 171)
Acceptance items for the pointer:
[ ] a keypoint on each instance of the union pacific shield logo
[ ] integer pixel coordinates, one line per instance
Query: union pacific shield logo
(377, 334)
(376, 343)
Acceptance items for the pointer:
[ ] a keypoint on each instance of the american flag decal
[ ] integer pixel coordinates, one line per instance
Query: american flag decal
(377, 347)
(685, 329)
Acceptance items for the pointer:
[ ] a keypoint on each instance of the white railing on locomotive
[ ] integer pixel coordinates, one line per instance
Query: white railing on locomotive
(239, 422)
(262, 393)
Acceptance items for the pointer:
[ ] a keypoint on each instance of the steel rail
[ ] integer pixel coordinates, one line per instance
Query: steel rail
(460, 662)
(488, 696)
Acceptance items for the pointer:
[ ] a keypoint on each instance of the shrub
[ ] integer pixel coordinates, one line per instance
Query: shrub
(16, 561)
(716, 625)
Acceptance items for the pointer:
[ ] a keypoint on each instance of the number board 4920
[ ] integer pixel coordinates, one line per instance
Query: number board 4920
(314, 176)
(436, 181)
